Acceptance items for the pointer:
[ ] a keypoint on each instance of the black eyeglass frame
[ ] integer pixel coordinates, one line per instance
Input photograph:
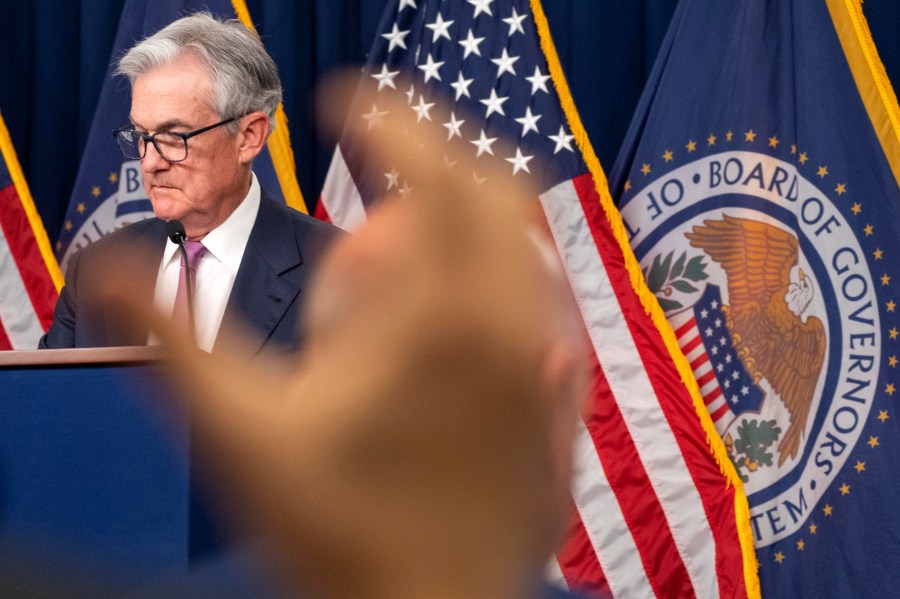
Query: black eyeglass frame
(152, 138)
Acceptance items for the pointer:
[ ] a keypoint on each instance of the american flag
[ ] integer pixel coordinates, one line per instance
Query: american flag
(657, 507)
(29, 276)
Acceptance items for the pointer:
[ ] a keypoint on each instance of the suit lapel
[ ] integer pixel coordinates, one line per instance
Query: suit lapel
(268, 280)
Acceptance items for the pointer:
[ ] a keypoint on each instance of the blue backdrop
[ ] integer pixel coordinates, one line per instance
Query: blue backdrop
(54, 53)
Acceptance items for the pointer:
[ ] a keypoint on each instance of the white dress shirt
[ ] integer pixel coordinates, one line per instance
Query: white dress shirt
(218, 268)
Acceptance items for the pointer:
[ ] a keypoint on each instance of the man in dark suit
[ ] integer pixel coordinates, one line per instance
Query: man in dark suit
(204, 94)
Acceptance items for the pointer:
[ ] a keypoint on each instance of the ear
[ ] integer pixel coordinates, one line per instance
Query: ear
(252, 135)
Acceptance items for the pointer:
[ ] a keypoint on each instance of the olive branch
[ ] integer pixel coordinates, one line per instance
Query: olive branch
(663, 277)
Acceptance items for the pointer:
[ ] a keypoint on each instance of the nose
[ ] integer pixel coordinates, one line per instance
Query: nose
(153, 161)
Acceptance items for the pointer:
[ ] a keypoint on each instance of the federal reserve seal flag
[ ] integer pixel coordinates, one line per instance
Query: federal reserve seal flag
(759, 188)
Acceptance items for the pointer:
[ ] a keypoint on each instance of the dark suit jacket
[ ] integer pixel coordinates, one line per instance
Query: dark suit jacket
(283, 247)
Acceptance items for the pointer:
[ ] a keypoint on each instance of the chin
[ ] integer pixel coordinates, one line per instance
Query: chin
(166, 209)
(166, 215)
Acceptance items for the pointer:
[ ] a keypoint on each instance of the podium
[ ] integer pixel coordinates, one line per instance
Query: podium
(94, 460)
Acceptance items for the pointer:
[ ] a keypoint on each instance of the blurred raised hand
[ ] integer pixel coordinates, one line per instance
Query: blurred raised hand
(419, 446)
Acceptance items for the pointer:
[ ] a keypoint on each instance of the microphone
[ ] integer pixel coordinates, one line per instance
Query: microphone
(175, 231)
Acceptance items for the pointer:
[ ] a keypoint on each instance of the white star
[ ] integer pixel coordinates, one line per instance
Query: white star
(462, 86)
(538, 81)
(727, 384)
(720, 367)
(529, 121)
(440, 27)
(373, 118)
(431, 69)
(406, 189)
(470, 44)
(385, 78)
(734, 399)
(562, 140)
(405, 3)
(714, 304)
(708, 332)
(422, 109)
(481, 6)
(704, 313)
(494, 104)
(735, 375)
(484, 143)
(410, 94)
(453, 126)
(728, 358)
(745, 390)
(519, 162)
(714, 350)
(505, 63)
(515, 22)
(393, 178)
(718, 322)
(396, 37)
(722, 341)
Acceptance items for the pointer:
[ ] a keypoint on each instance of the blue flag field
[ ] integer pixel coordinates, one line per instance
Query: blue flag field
(759, 187)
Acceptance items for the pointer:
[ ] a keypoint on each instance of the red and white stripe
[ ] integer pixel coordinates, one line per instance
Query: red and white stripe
(27, 291)
(340, 202)
(691, 344)
(660, 539)
(648, 497)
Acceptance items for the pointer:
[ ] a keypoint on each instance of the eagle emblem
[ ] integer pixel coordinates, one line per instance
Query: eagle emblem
(765, 313)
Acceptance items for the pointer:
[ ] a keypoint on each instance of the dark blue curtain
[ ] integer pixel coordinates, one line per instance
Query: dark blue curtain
(53, 55)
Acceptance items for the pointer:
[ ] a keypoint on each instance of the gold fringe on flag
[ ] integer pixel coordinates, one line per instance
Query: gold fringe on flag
(34, 219)
(279, 141)
(871, 79)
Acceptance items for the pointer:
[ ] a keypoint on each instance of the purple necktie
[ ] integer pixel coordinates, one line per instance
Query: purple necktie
(181, 314)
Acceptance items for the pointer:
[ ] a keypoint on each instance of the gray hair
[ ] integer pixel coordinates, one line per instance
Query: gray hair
(244, 76)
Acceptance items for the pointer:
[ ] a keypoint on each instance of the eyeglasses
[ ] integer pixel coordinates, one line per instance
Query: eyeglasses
(171, 146)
